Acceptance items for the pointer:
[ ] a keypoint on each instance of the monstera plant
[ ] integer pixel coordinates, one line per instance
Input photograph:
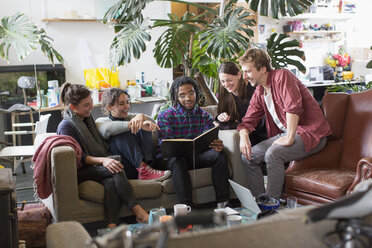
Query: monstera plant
(201, 42)
(23, 36)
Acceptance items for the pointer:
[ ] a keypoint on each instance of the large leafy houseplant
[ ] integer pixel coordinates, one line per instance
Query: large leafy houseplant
(201, 42)
(18, 32)
(23, 36)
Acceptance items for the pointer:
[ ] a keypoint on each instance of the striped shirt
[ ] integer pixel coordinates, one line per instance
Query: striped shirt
(177, 122)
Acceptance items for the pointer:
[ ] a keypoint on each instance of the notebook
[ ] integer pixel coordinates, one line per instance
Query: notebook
(245, 196)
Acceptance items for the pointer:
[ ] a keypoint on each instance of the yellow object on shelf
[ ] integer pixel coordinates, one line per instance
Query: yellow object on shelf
(1, 167)
(101, 78)
(346, 75)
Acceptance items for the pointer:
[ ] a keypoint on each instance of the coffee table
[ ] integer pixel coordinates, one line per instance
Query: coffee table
(247, 217)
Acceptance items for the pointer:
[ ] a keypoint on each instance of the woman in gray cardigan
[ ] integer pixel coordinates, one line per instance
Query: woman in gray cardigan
(129, 135)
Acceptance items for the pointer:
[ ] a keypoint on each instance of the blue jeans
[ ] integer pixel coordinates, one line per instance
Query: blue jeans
(133, 149)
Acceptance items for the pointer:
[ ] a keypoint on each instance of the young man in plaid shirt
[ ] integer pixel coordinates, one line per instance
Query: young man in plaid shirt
(184, 119)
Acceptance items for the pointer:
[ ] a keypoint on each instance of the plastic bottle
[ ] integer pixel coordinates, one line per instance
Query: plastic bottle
(164, 88)
(143, 81)
(157, 87)
(40, 102)
(52, 97)
(95, 96)
(45, 100)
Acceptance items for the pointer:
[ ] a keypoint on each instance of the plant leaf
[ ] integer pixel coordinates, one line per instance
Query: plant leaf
(226, 37)
(282, 50)
(47, 48)
(18, 32)
(286, 7)
(174, 42)
(129, 42)
(125, 11)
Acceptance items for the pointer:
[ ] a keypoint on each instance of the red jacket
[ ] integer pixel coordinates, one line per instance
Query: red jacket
(289, 96)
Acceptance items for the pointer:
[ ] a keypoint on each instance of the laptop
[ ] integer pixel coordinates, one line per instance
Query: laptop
(245, 196)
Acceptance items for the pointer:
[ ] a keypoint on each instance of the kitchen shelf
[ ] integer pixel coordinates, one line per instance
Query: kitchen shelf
(329, 16)
(316, 32)
(71, 20)
(320, 40)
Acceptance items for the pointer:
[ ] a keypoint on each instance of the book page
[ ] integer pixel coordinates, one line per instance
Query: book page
(202, 142)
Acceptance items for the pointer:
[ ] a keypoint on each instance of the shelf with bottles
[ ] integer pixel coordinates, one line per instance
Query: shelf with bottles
(316, 32)
(71, 20)
(327, 16)
(318, 36)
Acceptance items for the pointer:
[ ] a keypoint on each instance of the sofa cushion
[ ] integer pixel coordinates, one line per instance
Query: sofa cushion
(201, 178)
(93, 191)
(324, 182)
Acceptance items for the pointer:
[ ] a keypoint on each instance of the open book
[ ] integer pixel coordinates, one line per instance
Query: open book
(189, 148)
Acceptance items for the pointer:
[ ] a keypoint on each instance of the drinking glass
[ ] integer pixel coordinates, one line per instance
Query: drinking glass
(292, 202)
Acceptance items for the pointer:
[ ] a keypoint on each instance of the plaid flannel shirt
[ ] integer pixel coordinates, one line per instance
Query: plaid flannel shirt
(177, 123)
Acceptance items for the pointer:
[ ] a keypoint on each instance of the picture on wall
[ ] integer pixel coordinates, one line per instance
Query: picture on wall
(261, 28)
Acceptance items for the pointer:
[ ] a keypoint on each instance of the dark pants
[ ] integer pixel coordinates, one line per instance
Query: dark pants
(181, 177)
(133, 149)
(118, 190)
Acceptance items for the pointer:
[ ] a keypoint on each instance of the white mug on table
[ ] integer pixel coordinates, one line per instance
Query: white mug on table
(181, 209)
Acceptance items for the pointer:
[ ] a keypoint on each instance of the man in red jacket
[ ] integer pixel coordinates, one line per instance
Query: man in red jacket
(295, 124)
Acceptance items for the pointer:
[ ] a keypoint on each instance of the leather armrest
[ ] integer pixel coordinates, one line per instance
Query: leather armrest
(364, 171)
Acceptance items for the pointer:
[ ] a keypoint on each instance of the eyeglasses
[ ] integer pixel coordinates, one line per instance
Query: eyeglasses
(189, 94)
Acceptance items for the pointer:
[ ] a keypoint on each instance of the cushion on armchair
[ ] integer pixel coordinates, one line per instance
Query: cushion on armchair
(328, 183)
(93, 191)
(202, 178)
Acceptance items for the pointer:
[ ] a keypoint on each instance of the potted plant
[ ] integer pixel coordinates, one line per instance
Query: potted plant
(199, 43)
(23, 36)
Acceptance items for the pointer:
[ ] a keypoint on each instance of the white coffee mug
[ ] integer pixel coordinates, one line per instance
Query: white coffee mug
(181, 209)
(233, 220)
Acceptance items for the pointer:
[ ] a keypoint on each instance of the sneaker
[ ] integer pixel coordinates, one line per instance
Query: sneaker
(148, 173)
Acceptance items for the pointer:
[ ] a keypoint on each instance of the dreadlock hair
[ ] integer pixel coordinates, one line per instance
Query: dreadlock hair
(110, 97)
(177, 83)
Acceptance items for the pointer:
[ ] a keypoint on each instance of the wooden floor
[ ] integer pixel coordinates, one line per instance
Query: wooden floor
(24, 182)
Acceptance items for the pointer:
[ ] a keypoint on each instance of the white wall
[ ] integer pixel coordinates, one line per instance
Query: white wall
(358, 37)
(68, 37)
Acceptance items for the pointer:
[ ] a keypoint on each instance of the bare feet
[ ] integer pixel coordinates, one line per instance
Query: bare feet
(141, 215)
(111, 225)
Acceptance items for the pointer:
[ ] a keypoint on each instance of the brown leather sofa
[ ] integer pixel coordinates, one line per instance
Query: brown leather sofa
(347, 157)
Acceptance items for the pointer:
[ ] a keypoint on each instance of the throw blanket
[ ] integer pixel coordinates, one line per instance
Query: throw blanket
(42, 160)
(91, 141)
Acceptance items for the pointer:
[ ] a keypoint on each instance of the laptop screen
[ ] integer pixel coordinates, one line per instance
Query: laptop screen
(245, 196)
